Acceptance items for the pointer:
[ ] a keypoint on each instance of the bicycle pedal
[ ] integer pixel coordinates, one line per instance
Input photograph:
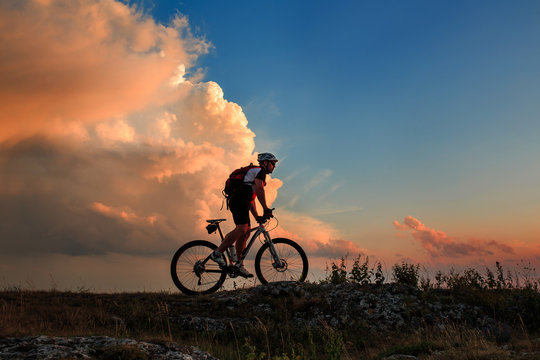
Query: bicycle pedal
(234, 272)
(244, 275)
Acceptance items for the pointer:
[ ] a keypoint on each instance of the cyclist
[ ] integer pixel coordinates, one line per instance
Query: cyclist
(242, 201)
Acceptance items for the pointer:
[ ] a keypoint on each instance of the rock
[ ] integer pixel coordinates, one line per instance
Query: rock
(204, 323)
(44, 347)
(400, 357)
(281, 288)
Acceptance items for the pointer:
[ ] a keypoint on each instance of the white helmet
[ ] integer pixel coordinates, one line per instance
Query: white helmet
(266, 157)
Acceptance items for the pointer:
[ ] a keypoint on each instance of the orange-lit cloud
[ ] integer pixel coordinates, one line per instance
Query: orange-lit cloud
(316, 237)
(438, 244)
(108, 145)
(86, 60)
(127, 215)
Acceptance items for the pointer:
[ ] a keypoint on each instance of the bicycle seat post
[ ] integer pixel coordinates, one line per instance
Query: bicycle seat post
(220, 233)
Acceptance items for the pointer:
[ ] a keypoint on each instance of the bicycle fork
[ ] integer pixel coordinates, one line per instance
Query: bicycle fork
(278, 263)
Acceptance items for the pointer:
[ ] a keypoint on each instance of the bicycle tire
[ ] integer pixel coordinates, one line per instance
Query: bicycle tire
(293, 256)
(183, 271)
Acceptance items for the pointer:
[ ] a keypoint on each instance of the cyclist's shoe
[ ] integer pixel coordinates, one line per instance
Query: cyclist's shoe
(242, 271)
(218, 258)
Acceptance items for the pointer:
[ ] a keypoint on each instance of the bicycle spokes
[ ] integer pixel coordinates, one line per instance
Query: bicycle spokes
(192, 272)
(284, 261)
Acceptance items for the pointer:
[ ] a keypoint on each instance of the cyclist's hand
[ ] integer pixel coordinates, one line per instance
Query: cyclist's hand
(261, 219)
(268, 213)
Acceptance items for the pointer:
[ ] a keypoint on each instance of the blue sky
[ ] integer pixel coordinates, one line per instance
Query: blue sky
(402, 108)
(405, 129)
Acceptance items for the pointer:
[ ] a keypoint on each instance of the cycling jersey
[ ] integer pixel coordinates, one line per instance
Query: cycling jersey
(251, 175)
(241, 199)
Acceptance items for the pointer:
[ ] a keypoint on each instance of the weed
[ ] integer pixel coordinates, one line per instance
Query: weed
(338, 273)
(406, 274)
(277, 335)
(333, 340)
(360, 273)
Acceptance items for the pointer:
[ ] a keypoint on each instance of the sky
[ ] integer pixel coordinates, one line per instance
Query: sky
(406, 131)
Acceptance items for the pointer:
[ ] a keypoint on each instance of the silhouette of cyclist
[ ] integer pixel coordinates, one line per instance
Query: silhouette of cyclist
(241, 202)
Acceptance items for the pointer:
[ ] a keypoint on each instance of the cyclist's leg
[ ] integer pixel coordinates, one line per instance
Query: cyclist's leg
(239, 206)
(241, 242)
(240, 231)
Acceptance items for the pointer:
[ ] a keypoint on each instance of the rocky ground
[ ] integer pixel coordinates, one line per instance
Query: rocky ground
(376, 311)
(93, 347)
(390, 307)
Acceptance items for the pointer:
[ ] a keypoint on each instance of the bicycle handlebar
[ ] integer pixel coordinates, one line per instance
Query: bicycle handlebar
(265, 217)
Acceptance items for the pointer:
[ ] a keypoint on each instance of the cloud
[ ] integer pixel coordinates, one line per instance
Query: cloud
(318, 239)
(438, 244)
(113, 149)
(334, 210)
(134, 194)
(86, 60)
(334, 248)
(318, 179)
(107, 145)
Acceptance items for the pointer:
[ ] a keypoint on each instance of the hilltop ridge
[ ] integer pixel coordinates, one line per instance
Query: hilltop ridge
(314, 320)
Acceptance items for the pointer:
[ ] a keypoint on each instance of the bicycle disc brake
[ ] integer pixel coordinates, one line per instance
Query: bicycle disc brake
(283, 268)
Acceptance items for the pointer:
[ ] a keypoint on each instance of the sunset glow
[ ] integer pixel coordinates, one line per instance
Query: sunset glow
(405, 131)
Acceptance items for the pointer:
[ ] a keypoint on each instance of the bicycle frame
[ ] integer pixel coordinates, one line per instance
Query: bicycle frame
(279, 259)
(260, 229)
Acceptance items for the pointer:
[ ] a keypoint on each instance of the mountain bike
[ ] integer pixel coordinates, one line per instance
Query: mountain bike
(278, 259)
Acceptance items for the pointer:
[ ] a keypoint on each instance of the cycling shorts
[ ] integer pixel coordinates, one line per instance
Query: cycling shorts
(239, 204)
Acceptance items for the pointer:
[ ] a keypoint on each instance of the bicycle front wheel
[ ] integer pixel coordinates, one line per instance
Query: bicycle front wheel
(191, 274)
(294, 263)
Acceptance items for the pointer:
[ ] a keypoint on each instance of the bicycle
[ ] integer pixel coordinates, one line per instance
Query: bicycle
(278, 259)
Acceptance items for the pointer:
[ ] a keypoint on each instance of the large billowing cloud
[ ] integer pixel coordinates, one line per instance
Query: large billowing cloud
(86, 60)
(107, 144)
(438, 244)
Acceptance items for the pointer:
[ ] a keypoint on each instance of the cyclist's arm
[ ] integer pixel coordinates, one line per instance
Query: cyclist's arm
(259, 191)
(253, 209)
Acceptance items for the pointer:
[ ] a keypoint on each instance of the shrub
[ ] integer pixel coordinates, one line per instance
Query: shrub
(338, 273)
(360, 272)
(470, 279)
(406, 273)
(379, 276)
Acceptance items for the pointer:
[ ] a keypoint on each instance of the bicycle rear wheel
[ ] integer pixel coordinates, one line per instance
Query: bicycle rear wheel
(189, 272)
(293, 258)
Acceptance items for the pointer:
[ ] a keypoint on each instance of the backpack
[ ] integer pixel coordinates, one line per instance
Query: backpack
(236, 179)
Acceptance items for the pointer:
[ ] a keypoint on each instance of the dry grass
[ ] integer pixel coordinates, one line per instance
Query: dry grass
(24, 313)
(451, 342)
(145, 316)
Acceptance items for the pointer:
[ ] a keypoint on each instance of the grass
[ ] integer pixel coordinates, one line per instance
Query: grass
(71, 314)
(147, 317)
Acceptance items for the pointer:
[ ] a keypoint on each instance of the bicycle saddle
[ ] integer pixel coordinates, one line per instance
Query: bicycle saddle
(215, 221)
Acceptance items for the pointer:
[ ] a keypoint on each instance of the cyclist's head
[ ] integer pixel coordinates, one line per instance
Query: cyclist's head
(267, 161)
